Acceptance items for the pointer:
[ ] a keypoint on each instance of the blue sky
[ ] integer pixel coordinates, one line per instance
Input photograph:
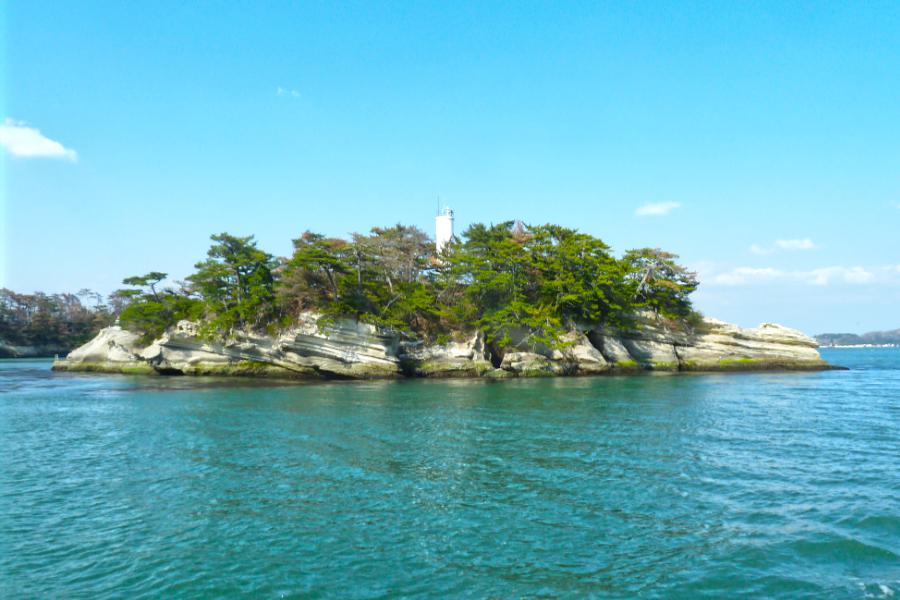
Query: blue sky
(763, 137)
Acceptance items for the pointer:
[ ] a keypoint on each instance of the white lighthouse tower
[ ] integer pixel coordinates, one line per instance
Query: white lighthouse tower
(443, 228)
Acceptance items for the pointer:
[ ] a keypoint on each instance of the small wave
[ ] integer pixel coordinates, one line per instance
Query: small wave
(880, 591)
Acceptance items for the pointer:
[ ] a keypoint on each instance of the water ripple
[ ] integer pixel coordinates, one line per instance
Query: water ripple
(764, 485)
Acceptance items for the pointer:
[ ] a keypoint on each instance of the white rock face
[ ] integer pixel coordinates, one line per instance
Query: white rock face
(610, 347)
(658, 355)
(113, 345)
(345, 348)
(468, 358)
(531, 364)
(577, 354)
(729, 346)
(344, 340)
(341, 349)
(580, 355)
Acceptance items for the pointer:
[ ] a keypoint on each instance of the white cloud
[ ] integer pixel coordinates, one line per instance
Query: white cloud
(656, 209)
(744, 275)
(787, 245)
(804, 244)
(280, 91)
(828, 275)
(759, 250)
(820, 277)
(26, 142)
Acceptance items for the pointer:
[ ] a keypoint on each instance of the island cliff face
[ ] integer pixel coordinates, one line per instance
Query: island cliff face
(347, 349)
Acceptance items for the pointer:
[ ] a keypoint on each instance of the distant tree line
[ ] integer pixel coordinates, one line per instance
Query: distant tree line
(539, 279)
(875, 338)
(55, 322)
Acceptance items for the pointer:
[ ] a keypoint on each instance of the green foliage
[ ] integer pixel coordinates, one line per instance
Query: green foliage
(314, 276)
(150, 280)
(236, 284)
(543, 279)
(379, 278)
(393, 267)
(523, 286)
(654, 280)
(151, 311)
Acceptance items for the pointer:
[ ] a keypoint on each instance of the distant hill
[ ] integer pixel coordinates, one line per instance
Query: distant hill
(852, 339)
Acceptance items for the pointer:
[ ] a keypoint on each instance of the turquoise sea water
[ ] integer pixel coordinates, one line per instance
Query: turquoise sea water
(765, 485)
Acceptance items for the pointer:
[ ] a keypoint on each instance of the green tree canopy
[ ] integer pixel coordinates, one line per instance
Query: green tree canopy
(541, 278)
(518, 283)
(149, 310)
(314, 276)
(654, 280)
(235, 283)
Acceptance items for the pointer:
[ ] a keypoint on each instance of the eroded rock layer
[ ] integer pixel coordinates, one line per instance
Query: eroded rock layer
(347, 349)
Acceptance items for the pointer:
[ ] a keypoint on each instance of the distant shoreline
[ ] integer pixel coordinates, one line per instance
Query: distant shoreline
(851, 346)
(872, 339)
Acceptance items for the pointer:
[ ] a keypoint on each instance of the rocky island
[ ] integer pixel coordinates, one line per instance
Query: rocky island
(505, 300)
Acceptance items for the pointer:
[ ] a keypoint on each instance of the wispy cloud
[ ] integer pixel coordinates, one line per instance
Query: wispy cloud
(744, 275)
(826, 275)
(656, 209)
(27, 142)
(760, 250)
(804, 244)
(822, 276)
(786, 245)
(280, 91)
